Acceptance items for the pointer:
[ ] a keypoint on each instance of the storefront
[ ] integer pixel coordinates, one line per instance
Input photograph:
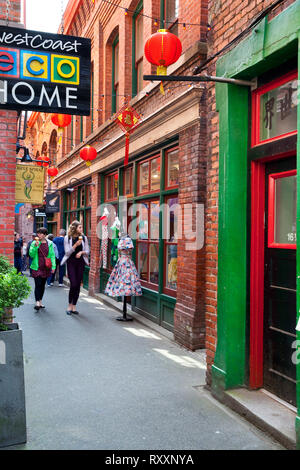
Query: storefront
(259, 214)
(148, 213)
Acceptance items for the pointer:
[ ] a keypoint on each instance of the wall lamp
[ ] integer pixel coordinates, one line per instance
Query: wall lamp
(79, 182)
(26, 157)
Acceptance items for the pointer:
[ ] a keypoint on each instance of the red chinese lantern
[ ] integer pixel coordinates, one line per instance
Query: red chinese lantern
(61, 120)
(52, 172)
(45, 159)
(162, 49)
(88, 154)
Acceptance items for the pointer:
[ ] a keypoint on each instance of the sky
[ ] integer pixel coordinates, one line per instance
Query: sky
(44, 15)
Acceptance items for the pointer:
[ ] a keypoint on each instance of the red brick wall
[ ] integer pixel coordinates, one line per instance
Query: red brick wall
(228, 19)
(8, 139)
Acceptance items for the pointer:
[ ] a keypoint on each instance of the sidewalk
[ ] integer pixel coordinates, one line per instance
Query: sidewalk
(95, 383)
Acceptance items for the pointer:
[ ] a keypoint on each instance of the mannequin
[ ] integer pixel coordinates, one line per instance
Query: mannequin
(104, 241)
(124, 280)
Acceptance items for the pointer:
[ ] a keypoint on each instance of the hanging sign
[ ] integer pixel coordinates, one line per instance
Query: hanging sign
(52, 202)
(29, 184)
(44, 72)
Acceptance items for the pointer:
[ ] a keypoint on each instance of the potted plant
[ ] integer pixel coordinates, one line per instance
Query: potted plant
(13, 289)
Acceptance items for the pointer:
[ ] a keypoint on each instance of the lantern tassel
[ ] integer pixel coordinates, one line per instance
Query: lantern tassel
(161, 70)
(126, 149)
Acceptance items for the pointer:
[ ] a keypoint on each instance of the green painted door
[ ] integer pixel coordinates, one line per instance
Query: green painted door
(280, 279)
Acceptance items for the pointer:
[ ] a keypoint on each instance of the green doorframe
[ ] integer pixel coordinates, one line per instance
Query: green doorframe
(269, 44)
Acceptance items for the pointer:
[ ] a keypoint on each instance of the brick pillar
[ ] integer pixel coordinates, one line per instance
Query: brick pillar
(189, 315)
(8, 139)
(94, 276)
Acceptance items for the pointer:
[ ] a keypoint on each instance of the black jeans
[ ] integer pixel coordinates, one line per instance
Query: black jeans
(39, 287)
(75, 273)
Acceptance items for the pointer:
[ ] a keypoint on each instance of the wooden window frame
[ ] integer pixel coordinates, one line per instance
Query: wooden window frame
(110, 175)
(175, 186)
(131, 181)
(255, 118)
(139, 193)
(140, 59)
(271, 210)
(147, 284)
(115, 85)
(168, 25)
(168, 290)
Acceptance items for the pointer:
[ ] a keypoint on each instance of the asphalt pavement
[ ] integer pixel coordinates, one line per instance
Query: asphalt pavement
(96, 383)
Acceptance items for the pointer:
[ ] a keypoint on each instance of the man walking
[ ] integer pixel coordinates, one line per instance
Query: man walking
(59, 242)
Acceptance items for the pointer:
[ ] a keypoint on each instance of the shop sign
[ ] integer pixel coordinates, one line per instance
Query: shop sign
(52, 202)
(44, 72)
(275, 110)
(29, 184)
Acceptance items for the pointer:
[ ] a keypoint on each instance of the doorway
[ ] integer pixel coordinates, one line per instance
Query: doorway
(279, 372)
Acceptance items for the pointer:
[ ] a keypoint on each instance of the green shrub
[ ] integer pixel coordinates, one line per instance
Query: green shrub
(13, 288)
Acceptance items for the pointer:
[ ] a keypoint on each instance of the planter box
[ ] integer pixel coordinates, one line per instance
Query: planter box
(12, 388)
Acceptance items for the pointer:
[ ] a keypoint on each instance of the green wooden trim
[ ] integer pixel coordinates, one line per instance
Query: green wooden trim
(134, 72)
(92, 103)
(162, 14)
(81, 128)
(113, 93)
(269, 44)
(232, 275)
(298, 260)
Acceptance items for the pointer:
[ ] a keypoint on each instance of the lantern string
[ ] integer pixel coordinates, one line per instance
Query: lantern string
(155, 19)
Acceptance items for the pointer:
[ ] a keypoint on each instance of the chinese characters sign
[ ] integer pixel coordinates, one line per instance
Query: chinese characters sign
(275, 110)
(44, 72)
(30, 184)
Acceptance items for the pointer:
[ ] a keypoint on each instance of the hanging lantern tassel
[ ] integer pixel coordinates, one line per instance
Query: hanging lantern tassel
(126, 149)
(60, 134)
(161, 70)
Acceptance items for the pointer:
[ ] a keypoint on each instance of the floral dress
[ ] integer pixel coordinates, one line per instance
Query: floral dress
(124, 279)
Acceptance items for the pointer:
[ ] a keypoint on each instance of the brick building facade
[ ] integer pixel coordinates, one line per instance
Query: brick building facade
(172, 132)
(8, 139)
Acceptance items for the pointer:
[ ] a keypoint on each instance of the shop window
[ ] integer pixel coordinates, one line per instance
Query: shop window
(148, 243)
(82, 196)
(274, 110)
(128, 182)
(139, 51)
(282, 210)
(74, 199)
(88, 196)
(170, 244)
(172, 168)
(171, 15)
(149, 176)
(111, 185)
(115, 75)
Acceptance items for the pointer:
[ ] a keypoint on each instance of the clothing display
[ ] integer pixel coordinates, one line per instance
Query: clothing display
(114, 246)
(104, 239)
(124, 279)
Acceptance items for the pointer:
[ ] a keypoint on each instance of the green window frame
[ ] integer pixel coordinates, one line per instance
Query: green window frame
(134, 68)
(115, 69)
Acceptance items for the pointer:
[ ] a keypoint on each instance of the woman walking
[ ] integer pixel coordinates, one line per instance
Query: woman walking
(43, 263)
(76, 255)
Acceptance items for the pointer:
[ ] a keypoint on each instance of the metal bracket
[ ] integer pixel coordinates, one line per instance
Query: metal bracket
(199, 78)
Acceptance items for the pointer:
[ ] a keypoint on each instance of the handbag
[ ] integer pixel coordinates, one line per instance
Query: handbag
(48, 262)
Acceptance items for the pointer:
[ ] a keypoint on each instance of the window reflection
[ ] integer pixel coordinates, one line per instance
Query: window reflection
(155, 174)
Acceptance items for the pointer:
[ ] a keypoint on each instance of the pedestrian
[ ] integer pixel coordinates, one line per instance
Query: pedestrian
(51, 278)
(43, 263)
(59, 242)
(28, 248)
(76, 255)
(18, 243)
(24, 257)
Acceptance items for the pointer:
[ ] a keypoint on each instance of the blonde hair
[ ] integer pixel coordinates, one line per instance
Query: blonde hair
(72, 232)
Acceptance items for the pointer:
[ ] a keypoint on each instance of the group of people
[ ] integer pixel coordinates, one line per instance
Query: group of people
(47, 254)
